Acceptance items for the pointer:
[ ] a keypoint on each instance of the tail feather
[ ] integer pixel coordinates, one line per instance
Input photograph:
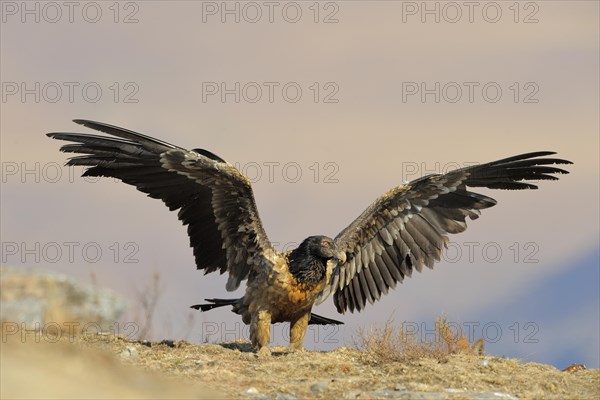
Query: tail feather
(215, 303)
(319, 320)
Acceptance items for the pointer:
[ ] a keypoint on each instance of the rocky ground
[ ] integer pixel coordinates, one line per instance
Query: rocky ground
(59, 363)
(109, 366)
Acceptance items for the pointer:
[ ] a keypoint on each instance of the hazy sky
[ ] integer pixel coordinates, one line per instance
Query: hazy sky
(324, 106)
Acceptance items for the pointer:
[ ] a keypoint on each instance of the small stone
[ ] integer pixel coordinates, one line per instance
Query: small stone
(252, 390)
(394, 394)
(129, 352)
(483, 395)
(284, 396)
(318, 387)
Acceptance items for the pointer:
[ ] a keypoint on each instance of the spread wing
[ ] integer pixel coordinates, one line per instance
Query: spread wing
(214, 199)
(407, 227)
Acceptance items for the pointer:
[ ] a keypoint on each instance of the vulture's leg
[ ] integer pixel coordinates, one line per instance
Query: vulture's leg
(260, 331)
(298, 332)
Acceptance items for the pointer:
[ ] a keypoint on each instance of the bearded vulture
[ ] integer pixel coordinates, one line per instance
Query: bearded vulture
(403, 230)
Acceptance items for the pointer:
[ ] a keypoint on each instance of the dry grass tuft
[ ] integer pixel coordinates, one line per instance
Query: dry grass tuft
(404, 345)
(145, 307)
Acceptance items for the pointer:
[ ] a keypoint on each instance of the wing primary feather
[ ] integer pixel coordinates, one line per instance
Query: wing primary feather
(373, 285)
(375, 270)
(358, 295)
(364, 285)
(393, 267)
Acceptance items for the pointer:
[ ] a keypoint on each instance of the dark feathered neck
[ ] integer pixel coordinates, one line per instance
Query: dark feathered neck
(305, 267)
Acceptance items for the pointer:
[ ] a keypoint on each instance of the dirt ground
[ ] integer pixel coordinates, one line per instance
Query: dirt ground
(109, 366)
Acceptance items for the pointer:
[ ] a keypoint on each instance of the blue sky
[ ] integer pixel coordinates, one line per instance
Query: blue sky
(565, 296)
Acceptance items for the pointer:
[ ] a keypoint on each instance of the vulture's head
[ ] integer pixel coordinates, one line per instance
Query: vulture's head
(323, 247)
(308, 263)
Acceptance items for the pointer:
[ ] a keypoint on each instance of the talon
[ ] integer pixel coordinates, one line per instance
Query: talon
(263, 352)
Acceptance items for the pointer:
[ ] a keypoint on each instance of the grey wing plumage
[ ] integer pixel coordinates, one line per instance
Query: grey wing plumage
(407, 227)
(214, 199)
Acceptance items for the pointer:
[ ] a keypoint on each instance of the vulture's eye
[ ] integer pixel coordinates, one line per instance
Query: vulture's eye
(326, 244)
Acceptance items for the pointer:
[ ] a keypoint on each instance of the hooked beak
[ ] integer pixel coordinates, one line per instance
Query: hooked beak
(340, 257)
